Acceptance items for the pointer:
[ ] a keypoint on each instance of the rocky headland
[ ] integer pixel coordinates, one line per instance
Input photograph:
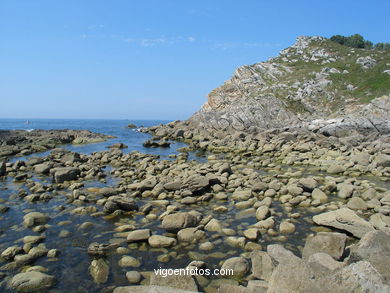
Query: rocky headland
(291, 191)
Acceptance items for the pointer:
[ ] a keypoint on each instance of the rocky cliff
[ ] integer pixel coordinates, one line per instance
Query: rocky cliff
(315, 83)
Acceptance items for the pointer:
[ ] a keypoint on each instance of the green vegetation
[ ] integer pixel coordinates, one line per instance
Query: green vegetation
(357, 41)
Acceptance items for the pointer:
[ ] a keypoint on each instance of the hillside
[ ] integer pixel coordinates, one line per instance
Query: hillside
(309, 83)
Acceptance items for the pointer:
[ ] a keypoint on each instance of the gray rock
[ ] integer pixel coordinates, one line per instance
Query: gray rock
(383, 160)
(375, 248)
(336, 169)
(331, 243)
(43, 168)
(177, 282)
(345, 190)
(161, 241)
(344, 219)
(242, 194)
(177, 221)
(239, 265)
(34, 218)
(322, 264)
(133, 277)
(319, 195)
(262, 265)
(356, 203)
(66, 174)
(31, 281)
(281, 255)
(139, 235)
(190, 234)
(117, 202)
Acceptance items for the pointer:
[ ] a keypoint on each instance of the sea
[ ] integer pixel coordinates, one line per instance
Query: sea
(133, 138)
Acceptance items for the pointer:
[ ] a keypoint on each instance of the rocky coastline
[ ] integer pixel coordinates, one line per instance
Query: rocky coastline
(289, 190)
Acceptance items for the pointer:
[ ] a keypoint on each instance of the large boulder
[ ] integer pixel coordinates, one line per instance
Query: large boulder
(344, 219)
(383, 160)
(262, 265)
(375, 248)
(31, 282)
(331, 243)
(66, 174)
(196, 183)
(177, 221)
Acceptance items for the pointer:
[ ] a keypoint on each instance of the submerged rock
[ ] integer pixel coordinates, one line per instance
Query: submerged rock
(99, 270)
(31, 282)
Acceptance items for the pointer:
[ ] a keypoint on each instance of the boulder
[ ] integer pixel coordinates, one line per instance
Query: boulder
(345, 190)
(213, 225)
(66, 174)
(322, 264)
(196, 183)
(331, 243)
(177, 221)
(344, 219)
(262, 265)
(375, 248)
(308, 184)
(31, 281)
(238, 265)
(262, 212)
(242, 194)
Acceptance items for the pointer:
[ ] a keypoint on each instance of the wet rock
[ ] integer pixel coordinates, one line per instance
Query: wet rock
(177, 221)
(286, 227)
(239, 265)
(118, 146)
(129, 261)
(331, 243)
(251, 233)
(3, 168)
(99, 270)
(161, 241)
(34, 219)
(101, 249)
(262, 212)
(66, 174)
(120, 203)
(190, 234)
(344, 219)
(43, 168)
(10, 252)
(213, 225)
(31, 281)
(139, 235)
(242, 194)
(133, 277)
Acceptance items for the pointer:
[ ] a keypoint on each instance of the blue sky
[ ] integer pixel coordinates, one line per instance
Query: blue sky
(148, 59)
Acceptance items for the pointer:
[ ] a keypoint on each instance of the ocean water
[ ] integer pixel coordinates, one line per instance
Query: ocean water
(131, 137)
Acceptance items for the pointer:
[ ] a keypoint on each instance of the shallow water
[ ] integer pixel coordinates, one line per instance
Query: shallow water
(71, 266)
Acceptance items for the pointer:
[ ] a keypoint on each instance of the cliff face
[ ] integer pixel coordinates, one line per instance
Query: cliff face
(310, 83)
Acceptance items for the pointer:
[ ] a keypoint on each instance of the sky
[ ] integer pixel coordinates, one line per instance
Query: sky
(152, 59)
